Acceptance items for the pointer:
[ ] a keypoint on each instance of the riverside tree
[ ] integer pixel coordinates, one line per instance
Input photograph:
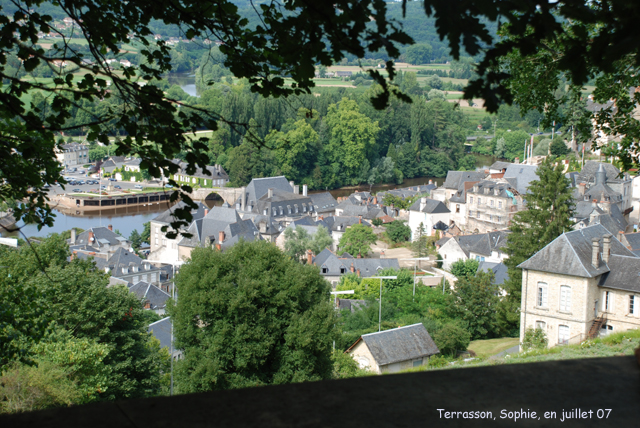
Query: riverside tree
(250, 316)
(550, 207)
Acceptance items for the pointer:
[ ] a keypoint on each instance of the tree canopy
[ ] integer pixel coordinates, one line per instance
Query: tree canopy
(240, 327)
(357, 240)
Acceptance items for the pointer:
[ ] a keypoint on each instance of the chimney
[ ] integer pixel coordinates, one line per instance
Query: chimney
(73, 255)
(352, 269)
(243, 191)
(309, 257)
(430, 181)
(220, 237)
(73, 236)
(321, 217)
(595, 249)
(359, 256)
(423, 203)
(382, 254)
(358, 272)
(516, 160)
(291, 184)
(581, 188)
(206, 211)
(296, 189)
(90, 237)
(606, 247)
(218, 247)
(375, 200)
(110, 227)
(305, 190)
(359, 219)
(147, 305)
(270, 193)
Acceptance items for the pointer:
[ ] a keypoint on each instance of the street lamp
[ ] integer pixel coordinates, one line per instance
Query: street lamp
(380, 310)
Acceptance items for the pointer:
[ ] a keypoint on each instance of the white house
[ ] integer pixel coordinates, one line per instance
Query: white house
(428, 212)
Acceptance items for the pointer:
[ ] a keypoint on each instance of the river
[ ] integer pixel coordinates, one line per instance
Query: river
(187, 81)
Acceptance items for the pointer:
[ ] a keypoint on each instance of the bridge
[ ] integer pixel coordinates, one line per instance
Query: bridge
(228, 194)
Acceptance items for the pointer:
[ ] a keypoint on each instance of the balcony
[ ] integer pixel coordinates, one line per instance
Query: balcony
(406, 400)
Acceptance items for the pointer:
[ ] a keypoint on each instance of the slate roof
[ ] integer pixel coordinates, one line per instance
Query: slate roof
(366, 211)
(206, 231)
(499, 165)
(282, 203)
(323, 202)
(499, 271)
(74, 147)
(624, 274)
(166, 216)
(455, 178)
(400, 344)
(216, 172)
(524, 174)
(351, 304)
(634, 240)
(501, 187)
(341, 223)
(430, 206)
(590, 168)
(570, 253)
(150, 293)
(161, 330)
(121, 259)
(368, 267)
(258, 187)
(102, 236)
(482, 243)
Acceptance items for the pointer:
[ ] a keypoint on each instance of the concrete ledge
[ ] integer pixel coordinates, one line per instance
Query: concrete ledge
(407, 400)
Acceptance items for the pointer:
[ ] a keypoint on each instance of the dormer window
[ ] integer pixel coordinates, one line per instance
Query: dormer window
(289, 209)
(125, 270)
(325, 270)
(343, 270)
(304, 208)
(296, 208)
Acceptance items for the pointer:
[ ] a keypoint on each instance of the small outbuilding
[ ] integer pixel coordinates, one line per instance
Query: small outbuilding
(393, 350)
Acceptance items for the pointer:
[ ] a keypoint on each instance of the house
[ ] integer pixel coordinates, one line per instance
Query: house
(484, 247)
(454, 184)
(216, 176)
(72, 154)
(99, 240)
(520, 176)
(581, 285)
(284, 205)
(152, 297)
(631, 241)
(393, 350)
(163, 248)
(338, 225)
(499, 270)
(601, 182)
(129, 267)
(323, 204)
(113, 163)
(221, 227)
(132, 165)
(427, 212)
(270, 228)
(491, 205)
(308, 224)
(257, 188)
(333, 267)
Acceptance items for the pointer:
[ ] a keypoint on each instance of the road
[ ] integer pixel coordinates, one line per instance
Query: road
(57, 190)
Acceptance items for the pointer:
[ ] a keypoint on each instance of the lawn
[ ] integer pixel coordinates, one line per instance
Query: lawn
(489, 347)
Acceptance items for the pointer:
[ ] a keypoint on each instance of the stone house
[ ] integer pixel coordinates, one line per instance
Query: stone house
(129, 267)
(391, 351)
(491, 205)
(102, 241)
(216, 176)
(333, 267)
(583, 284)
(598, 180)
(153, 298)
(72, 154)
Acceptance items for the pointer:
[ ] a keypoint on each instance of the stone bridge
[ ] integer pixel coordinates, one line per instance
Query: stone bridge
(229, 194)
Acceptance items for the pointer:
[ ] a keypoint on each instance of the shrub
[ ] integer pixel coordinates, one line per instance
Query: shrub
(376, 221)
(534, 338)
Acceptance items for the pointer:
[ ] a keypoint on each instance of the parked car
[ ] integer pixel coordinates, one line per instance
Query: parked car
(117, 187)
(169, 186)
(81, 182)
(77, 190)
(112, 179)
(103, 187)
(138, 186)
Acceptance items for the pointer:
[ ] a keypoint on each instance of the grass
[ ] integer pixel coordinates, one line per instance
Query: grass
(489, 347)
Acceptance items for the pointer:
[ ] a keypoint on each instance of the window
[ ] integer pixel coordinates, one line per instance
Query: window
(478, 214)
(541, 325)
(136, 279)
(498, 219)
(479, 201)
(325, 270)
(565, 298)
(343, 270)
(633, 306)
(563, 334)
(470, 199)
(457, 208)
(542, 295)
(490, 217)
(470, 213)
(606, 302)
(417, 363)
(499, 204)
(491, 202)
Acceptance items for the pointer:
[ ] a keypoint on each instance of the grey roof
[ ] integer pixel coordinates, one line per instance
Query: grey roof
(456, 178)
(524, 174)
(216, 172)
(499, 165)
(366, 211)
(74, 147)
(341, 223)
(161, 330)
(499, 271)
(624, 274)
(400, 344)
(501, 187)
(590, 168)
(482, 243)
(133, 162)
(150, 293)
(634, 240)
(570, 253)
(101, 236)
(166, 216)
(283, 203)
(323, 202)
(430, 206)
(596, 107)
(125, 259)
(258, 187)
(206, 231)
(334, 264)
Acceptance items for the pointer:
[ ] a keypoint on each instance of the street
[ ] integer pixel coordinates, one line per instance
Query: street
(125, 185)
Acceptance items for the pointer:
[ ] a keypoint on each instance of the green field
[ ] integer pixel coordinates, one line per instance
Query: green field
(489, 347)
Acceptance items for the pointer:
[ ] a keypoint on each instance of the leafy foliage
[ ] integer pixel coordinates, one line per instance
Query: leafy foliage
(534, 338)
(240, 327)
(465, 268)
(398, 231)
(298, 241)
(476, 300)
(357, 239)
